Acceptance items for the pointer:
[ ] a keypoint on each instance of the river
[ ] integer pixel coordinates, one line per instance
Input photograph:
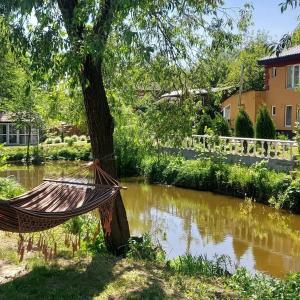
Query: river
(255, 236)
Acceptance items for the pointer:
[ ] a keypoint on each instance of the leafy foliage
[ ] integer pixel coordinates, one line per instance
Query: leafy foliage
(9, 188)
(205, 121)
(200, 265)
(256, 182)
(264, 127)
(243, 125)
(221, 126)
(144, 248)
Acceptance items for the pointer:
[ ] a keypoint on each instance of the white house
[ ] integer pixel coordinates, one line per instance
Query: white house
(11, 135)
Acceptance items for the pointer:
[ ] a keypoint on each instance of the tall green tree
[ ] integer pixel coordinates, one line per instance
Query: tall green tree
(72, 37)
(243, 125)
(264, 127)
(247, 57)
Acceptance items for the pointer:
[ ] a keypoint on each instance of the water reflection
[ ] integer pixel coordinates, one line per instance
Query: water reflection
(253, 235)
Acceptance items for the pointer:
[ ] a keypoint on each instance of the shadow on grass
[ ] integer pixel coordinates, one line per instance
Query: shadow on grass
(78, 282)
(55, 282)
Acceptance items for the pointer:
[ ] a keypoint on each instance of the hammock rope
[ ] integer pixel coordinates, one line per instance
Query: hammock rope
(55, 201)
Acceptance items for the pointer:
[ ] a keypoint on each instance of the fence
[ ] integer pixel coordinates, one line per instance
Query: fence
(261, 148)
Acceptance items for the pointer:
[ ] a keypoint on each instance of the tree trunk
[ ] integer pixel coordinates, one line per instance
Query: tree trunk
(28, 145)
(101, 127)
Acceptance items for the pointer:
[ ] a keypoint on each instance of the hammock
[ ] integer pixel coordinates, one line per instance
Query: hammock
(56, 201)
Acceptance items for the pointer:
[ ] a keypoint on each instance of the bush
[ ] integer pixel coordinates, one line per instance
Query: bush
(82, 138)
(144, 248)
(255, 182)
(37, 156)
(243, 125)
(261, 286)
(9, 188)
(265, 128)
(290, 199)
(69, 141)
(201, 266)
(204, 122)
(49, 141)
(74, 138)
(57, 140)
(221, 126)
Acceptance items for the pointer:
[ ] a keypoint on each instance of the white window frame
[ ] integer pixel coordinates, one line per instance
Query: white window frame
(298, 114)
(34, 138)
(272, 110)
(293, 76)
(285, 111)
(6, 134)
(227, 107)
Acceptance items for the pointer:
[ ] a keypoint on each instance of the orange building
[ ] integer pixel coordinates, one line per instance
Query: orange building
(281, 93)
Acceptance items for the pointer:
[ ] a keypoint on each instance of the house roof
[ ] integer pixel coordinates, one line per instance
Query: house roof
(194, 92)
(285, 56)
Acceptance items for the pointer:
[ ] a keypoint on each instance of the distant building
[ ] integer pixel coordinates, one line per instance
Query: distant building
(281, 92)
(11, 135)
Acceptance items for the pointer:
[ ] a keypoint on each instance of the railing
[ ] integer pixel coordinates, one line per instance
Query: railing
(263, 148)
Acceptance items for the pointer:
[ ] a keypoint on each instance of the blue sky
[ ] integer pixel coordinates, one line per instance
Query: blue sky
(268, 17)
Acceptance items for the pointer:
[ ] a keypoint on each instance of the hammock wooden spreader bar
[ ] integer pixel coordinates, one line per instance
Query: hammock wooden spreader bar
(55, 201)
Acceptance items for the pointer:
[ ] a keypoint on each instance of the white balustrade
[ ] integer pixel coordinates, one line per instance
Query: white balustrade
(264, 148)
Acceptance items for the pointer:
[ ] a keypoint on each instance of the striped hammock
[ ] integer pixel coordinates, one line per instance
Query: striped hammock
(56, 201)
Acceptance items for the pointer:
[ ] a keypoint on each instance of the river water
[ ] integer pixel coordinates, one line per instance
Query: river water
(186, 221)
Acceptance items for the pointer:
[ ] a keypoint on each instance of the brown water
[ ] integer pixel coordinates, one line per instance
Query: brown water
(185, 221)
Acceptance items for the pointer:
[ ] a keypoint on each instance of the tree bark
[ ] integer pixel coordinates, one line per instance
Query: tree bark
(101, 128)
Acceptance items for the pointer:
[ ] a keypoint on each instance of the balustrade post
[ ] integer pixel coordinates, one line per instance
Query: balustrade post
(276, 150)
(291, 151)
(269, 149)
(248, 148)
(254, 149)
(262, 149)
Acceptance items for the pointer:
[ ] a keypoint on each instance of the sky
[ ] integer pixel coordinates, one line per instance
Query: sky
(268, 17)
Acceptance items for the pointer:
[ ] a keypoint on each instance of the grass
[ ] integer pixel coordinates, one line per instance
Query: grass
(103, 276)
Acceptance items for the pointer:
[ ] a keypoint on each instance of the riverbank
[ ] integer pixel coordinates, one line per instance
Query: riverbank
(257, 182)
(280, 190)
(103, 276)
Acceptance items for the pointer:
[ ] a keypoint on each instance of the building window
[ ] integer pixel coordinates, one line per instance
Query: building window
(274, 72)
(293, 76)
(3, 132)
(226, 112)
(273, 110)
(13, 134)
(288, 116)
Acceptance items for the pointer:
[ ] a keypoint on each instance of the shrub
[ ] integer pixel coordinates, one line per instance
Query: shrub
(243, 125)
(144, 248)
(265, 128)
(290, 199)
(128, 151)
(57, 140)
(9, 188)
(261, 286)
(69, 141)
(16, 156)
(67, 154)
(74, 138)
(221, 126)
(37, 156)
(257, 181)
(205, 121)
(200, 265)
(49, 141)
